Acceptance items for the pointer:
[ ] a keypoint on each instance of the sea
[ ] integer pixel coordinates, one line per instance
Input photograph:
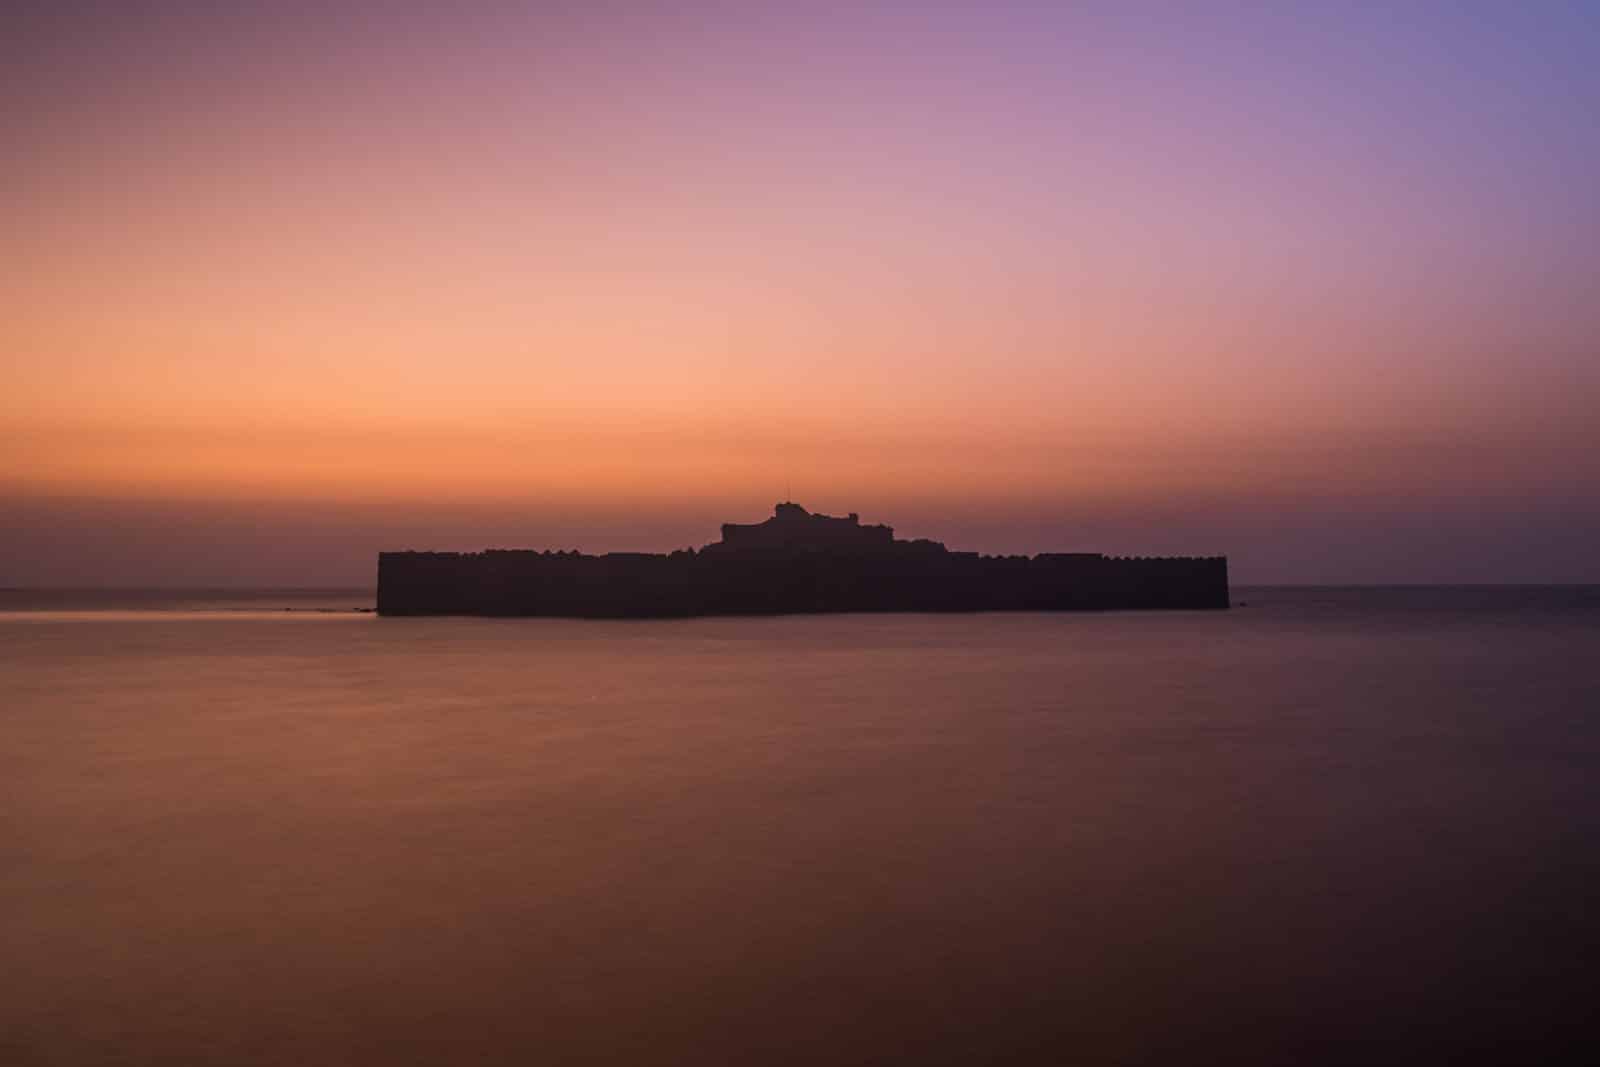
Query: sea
(1329, 825)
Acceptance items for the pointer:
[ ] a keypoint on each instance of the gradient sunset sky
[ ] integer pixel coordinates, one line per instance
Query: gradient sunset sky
(1314, 286)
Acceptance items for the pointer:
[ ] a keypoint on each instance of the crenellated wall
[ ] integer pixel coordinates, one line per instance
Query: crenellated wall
(894, 576)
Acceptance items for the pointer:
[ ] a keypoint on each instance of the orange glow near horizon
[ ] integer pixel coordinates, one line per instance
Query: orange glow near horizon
(1001, 267)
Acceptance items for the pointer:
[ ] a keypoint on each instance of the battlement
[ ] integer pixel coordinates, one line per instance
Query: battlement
(794, 562)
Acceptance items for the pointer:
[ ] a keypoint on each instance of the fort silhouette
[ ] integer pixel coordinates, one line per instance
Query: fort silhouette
(793, 563)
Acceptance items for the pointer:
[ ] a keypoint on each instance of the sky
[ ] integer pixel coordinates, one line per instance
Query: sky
(1312, 286)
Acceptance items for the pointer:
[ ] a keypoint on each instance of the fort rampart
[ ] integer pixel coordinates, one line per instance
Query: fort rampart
(784, 572)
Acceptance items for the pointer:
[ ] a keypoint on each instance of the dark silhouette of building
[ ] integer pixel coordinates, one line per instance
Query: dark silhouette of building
(794, 528)
(794, 562)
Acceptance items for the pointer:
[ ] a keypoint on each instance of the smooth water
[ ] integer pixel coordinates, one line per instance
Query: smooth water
(1333, 824)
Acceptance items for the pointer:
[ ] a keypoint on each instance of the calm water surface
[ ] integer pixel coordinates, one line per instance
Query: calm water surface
(1334, 824)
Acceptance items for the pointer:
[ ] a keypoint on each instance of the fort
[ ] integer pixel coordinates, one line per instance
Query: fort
(795, 562)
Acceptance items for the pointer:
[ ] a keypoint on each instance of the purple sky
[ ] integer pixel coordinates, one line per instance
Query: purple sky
(1310, 286)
